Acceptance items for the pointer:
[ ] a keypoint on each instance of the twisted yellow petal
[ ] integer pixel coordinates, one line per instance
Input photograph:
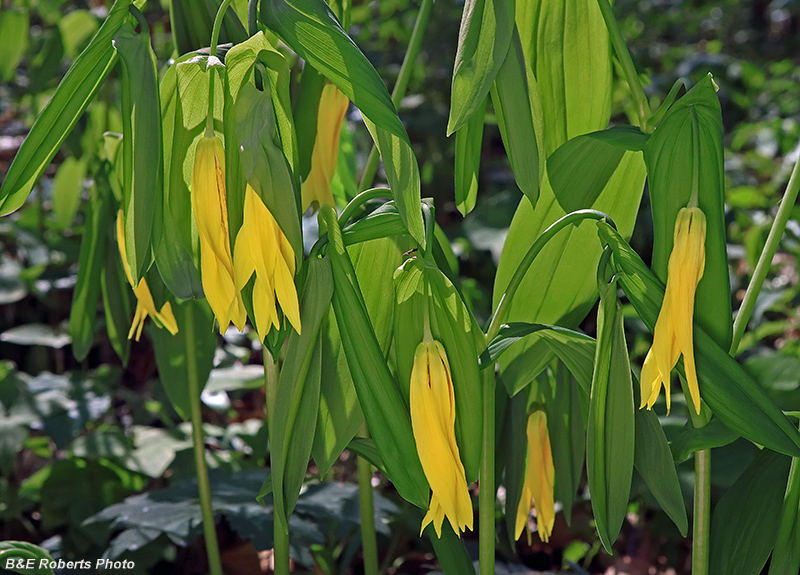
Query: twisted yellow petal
(210, 208)
(433, 415)
(262, 248)
(674, 332)
(144, 299)
(317, 186)
(539, 479)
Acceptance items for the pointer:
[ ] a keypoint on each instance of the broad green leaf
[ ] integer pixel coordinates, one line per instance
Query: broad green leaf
(92, 260)
(469, 142)
(189, 353)
(611, 433)
(141, 145)
(423, 290)
(71, 98)
(483, 40)
(67, 188)
(381, 223)
(191, 22)
(19, 553)
(312, 31)
(515, 117)
(450, 550)
(691, 439)
(364, 447)
(116, 302)
(297, 396)
(684, 152)
(514, 450)
(568, 48)
(731, 393)
(265, 166)
(556, 289)
(581, 167)
(653, 461)
(14, 26)
(75, 28)
(306, 108)
(743, 523)
(386, 413)
(786, 555)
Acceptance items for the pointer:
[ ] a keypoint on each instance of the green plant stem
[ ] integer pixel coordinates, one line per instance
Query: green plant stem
(486, 487)
(212, 53)
(367, 509)
(203, 484)
(702, 512)
(280, 551)
(624, 57)
(400, 86)
(361, 199)
(522, 268)
(765, 259)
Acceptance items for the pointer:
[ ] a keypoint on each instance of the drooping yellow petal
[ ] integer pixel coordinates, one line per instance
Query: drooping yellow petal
(144, 299)
(433, 419)
(539, 479)
(262, 248)
(210, 208)
(674, 332)
(317, 186)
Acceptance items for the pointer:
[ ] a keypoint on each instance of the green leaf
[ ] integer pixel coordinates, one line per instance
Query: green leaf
(598, 154)
(191, 22)
(511, 97)
(265, 166)
(312, 31)
(116, 303)
(71, 98)
(743, 524)
(469, 141)
(786, 555)
(141, 146)
(381, 223)
(20, 552)
(190, 350)
(483, 40)
(653, 461)
(67, 188)
(450, 550)
(557, 290)
(91, 262)
(387, 415)
(14, 26)
(365, 447)
(514, 450)
(306, 109)
(730, 392)
(297, 396)
(611, 433)
(686, 151)
(691, 439)
(75, 28)
(36, 334)
(569, 51)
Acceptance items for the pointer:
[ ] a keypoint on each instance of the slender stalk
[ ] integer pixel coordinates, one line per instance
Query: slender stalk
(400, 86)
(486, 493)
(367, 508)
(624, 57)
(702, 512)
(522, 268)
(280, 551)
(765, 259)
(212, 51)
(203, 484)
(358, 201)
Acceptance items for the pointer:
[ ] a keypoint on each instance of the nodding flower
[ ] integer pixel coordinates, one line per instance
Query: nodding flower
(145, 306)
(539, 478)
(674, 333)
(317, 186)
(210, 208)
(262, 248)
(433, 416)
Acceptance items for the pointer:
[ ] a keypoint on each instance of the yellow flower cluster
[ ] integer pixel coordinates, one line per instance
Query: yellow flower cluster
(145, 306)
(674, 334)
(539, 479)
(433, 417)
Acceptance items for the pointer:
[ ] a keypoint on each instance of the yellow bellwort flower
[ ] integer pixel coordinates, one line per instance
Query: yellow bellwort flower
(433, 417)
(262, 248)
(145, 306)
(210, 208)
(332, 108)
(674, 331)
(539, 479)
